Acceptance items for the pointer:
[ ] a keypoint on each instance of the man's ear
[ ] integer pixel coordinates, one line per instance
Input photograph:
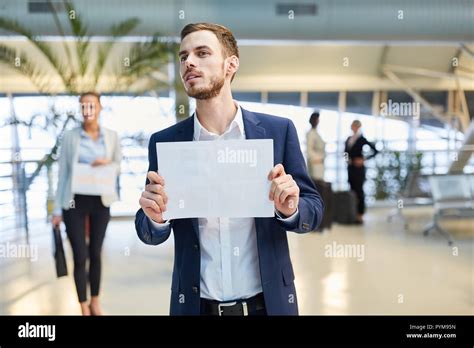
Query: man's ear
(233, 65)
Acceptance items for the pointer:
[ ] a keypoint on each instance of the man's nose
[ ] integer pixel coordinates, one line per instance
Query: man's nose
(189, 62)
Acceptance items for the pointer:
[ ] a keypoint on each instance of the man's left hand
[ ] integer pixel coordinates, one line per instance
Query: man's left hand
(284, 191)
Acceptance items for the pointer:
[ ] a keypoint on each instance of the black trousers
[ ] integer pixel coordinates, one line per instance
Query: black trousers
(356, 181)
(74, 219)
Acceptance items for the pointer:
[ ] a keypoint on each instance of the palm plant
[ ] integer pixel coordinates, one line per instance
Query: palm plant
(84, 71)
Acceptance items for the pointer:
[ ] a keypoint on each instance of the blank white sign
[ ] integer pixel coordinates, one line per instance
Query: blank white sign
(96, 181)
(216, 178)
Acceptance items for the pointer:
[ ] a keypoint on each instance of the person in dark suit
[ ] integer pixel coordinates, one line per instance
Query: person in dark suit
(208, 277)
(356, 168)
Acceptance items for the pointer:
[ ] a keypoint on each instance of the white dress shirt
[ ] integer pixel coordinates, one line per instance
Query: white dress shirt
(229, 255)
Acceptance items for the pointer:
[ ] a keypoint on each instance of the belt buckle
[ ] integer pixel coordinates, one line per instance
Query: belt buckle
(244, 307)
(228, 304)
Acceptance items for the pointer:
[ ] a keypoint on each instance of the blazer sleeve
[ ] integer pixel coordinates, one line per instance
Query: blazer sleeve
(372, 146)
(346, 146)
(117, 159)
(310, 205)
(148, 233)
(63, 173)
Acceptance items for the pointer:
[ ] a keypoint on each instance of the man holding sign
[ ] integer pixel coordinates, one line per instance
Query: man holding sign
(229, 265)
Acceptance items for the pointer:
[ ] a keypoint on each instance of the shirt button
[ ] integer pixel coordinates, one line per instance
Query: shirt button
(195, 289)
(196, 246)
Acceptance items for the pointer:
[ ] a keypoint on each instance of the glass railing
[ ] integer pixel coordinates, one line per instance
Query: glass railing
(20, 208)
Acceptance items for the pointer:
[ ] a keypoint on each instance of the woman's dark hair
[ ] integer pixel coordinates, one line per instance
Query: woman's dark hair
(313, 118)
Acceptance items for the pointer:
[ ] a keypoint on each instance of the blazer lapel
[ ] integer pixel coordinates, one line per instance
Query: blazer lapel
(253, 130)
(251, 125)
(186, 131)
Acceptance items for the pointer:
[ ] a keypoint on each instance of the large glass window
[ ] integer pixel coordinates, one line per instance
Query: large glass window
(323, 100)
(255, 97)
(359, 102)
(285, 98)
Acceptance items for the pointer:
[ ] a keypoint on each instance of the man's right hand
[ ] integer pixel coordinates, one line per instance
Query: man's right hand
(154, 199)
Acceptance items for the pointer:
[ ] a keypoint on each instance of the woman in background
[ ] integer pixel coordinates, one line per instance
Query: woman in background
(356, 165)
(95, 145)
(316, 153)
(315, 148)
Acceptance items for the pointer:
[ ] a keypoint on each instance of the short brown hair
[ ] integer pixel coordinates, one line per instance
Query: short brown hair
(223, 34)
(95, 94)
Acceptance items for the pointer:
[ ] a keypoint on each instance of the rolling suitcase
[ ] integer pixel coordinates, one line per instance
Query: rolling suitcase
(325, 190)
(345, 207)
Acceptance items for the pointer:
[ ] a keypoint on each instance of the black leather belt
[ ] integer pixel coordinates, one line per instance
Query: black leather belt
(239, 307)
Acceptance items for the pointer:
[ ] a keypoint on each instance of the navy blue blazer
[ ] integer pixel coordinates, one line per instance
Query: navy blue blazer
(275, 265)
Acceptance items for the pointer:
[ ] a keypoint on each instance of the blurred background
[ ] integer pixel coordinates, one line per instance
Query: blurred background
(347, 59)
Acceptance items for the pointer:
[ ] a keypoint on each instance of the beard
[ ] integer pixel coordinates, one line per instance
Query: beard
(210, 91)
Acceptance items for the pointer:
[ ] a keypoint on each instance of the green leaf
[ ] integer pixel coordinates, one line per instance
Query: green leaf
(82, 40)
(38, 77)
(116, 31)
(15, 27)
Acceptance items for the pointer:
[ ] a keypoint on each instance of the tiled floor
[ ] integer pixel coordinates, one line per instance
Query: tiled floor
(386, 271)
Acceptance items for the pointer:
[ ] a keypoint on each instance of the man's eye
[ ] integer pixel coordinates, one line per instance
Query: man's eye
(203, 53)
(182, 58)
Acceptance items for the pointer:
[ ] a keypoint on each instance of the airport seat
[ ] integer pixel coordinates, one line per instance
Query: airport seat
(416, 193)
(453, 197)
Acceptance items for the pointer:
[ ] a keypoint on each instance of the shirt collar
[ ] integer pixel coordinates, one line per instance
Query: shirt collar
(84, 134)
(238, 122)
